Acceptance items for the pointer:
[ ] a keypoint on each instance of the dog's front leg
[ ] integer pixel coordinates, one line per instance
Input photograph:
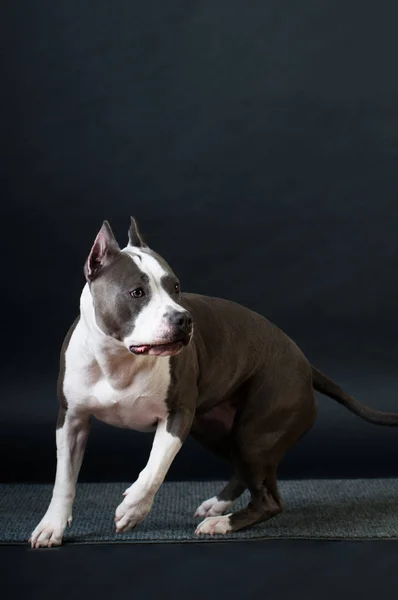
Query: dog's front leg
(169, 437)
(71, 440)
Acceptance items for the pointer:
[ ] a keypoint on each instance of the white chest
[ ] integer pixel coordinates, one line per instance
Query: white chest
(136, 407)
(133, 398)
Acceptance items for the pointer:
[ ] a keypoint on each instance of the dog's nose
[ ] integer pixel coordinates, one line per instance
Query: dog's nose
(183, 320)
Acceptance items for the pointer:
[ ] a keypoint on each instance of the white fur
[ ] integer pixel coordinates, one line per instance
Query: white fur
(71, 441)
(104, 379)
(213, 525)
(150, 326)
(212, 507)
(139, 497)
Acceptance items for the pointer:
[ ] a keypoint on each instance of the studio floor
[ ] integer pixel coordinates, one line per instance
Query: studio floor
(276, 569)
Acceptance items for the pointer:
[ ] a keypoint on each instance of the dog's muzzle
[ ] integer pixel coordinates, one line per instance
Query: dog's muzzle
(181, 325)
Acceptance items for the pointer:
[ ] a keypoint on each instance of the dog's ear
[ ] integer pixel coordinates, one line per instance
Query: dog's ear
(105, 248)
(135, 237)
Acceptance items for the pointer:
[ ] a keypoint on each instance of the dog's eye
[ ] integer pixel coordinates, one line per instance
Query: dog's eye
(137, 293)
(177, 287)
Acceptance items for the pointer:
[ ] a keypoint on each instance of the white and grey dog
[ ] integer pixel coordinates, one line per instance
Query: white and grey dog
(239, 385)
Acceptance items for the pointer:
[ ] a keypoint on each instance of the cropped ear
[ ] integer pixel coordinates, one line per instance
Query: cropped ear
(135, 238)
(105, 248)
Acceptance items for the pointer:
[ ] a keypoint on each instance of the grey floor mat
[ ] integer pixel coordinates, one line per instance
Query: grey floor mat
(314, 509)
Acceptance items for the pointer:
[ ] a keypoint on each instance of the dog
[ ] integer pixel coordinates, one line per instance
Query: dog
(143, 355)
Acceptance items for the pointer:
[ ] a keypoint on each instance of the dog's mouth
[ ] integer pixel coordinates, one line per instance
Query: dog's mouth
(165, 349)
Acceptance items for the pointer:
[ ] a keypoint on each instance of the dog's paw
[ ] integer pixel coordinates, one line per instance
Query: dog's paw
(212, 525)
(132, 511)
(212, 507)
(48, 533)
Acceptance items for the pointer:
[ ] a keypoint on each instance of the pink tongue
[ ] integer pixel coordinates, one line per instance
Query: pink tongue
(142, 348)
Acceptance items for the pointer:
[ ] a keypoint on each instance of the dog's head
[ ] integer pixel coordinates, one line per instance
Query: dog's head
(136, 296)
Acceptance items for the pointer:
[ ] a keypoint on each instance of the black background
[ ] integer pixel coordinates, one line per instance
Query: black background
(256, 143)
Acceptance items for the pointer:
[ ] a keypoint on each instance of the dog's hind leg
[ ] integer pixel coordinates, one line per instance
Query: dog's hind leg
(213, 431)
(219, 504)
(265, 428)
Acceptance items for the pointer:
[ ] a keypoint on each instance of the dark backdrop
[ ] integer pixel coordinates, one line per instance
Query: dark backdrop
(257, 144)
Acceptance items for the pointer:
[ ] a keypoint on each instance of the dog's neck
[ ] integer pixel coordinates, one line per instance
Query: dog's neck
(116, 362)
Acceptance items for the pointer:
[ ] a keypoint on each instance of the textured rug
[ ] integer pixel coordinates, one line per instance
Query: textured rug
(314, 509)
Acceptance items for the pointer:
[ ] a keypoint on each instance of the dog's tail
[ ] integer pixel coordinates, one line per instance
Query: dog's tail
(326, 386)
